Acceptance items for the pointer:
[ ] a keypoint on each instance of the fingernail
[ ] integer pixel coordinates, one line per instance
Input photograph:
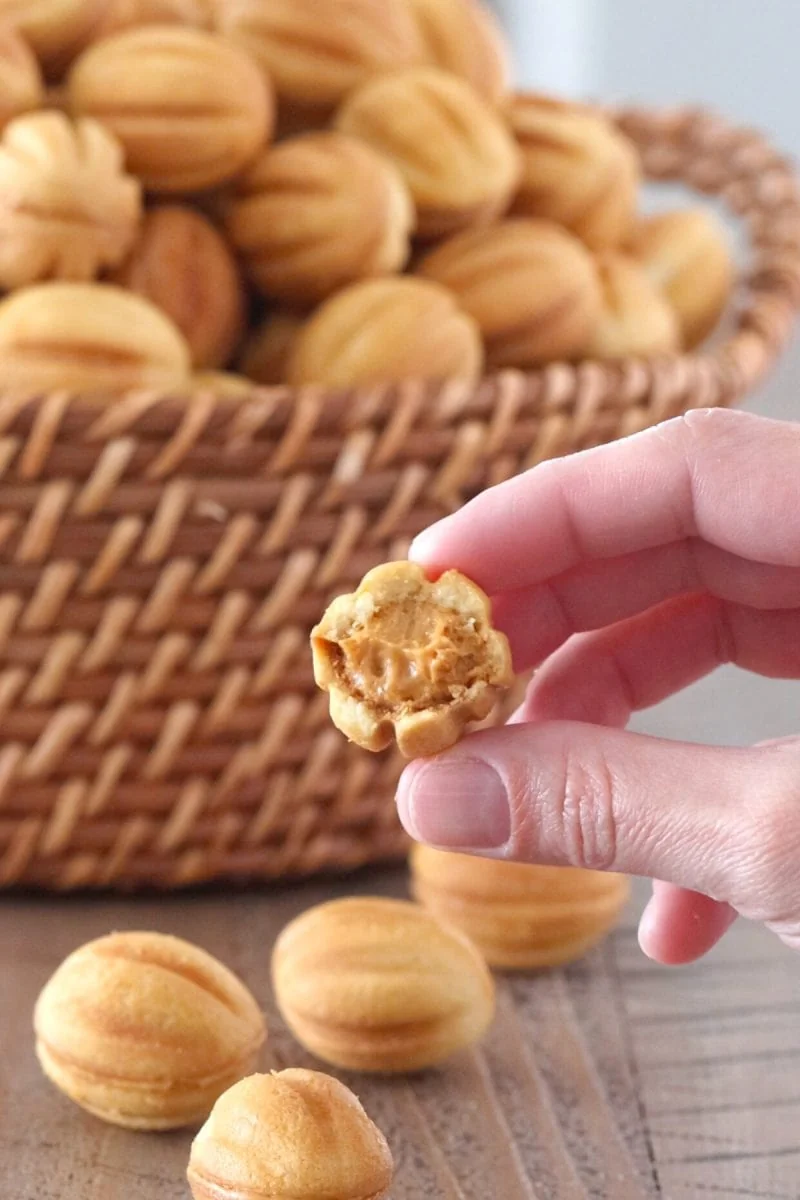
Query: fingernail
(648, 925)
(422, 542)
(459, 805)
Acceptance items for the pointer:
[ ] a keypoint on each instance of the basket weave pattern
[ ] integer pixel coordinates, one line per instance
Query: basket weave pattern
(162, 560)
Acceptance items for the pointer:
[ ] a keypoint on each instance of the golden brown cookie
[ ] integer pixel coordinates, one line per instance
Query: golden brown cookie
(384, 331)
(54, 28)
(520, 917)
(455, 152)
(636, 318)
(532, 287)
(68, 209)
(21, 84)
(408, 659)
(290, 1135)
(317, 53)
(577, 169)
(317, 213)
(128, 14)
(380, 985)
(185, 267)
(222, 383)
(191, 110)
(88, 337)
(686, 254)
(465, 38)
(145, 1030)
(266, 354)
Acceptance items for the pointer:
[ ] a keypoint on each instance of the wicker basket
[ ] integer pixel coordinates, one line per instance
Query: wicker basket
(161, 563)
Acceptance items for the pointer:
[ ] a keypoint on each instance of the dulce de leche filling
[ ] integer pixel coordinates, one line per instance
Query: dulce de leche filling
(410, 656)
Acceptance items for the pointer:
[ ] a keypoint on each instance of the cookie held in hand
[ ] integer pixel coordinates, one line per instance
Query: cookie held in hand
(405, 658)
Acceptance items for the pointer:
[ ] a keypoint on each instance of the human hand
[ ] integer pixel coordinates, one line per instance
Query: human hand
(630, 571)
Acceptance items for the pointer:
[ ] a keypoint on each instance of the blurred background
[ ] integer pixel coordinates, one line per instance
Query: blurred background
(739, 57)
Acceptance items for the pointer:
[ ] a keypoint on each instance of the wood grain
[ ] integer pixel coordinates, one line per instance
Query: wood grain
(612, 1080)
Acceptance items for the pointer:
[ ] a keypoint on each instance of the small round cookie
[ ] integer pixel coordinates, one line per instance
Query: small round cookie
(317, 213)
(266, 354)
(409, 660)
(377, 985)
(146, 1031)
(520, 917)
(383, 331)
(531, 286)
(68, 209)
(21, 84)
(577, 169)
(465, 38)
(88, 337)
(455, 152)
(222, 383)
(289, 1135)
(183, 265)
(686, 253)
(317, 53)
(191, 110)
(128, 14)
(55, 29)
(636, 319)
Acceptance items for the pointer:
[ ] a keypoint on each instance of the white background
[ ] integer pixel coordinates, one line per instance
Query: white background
(743, 58)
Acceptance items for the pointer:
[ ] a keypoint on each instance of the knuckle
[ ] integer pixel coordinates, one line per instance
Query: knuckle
(707, 421)
(702, 429)
(788, 932)
(768, 846)
(582, 810)
(707, 425)
(775, 826)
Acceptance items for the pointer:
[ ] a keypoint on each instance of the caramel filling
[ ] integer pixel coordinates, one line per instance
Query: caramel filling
(410, 656)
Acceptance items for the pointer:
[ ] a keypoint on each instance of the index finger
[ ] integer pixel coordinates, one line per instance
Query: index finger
(730, 478)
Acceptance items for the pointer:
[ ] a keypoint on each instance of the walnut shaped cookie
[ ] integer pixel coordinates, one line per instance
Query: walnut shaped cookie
(406, 658)
(68, 207)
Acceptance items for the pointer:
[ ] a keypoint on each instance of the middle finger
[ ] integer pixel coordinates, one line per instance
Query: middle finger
(539, 619)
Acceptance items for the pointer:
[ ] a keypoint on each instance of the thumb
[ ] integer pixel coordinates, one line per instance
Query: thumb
(723, 822)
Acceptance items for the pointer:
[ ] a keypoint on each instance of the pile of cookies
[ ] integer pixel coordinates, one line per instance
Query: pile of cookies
(210, 192)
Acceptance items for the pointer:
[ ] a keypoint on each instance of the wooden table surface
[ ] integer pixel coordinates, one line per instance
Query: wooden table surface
(613, 1080)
